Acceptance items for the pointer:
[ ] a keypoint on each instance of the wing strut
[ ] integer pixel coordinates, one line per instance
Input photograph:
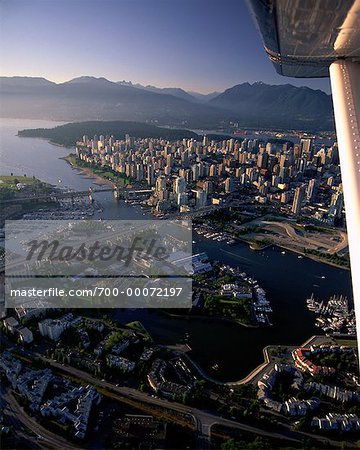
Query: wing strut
(345, 86)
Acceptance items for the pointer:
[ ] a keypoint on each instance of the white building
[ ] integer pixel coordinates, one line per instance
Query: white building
(54, 328)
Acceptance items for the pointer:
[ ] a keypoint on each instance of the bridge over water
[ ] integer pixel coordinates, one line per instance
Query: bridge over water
(60, 195)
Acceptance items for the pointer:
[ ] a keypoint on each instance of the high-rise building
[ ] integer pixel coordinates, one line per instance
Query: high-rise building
(213, 170)
(179, 185)
(311, 190)
(263, 159)
(182, 198)
(306, 147)
(208, 187)
(229, 185)
(160, 184)
(285, 197)
(201, 198)
(337, 202)
(140, 173)
(298, 198)
(195, 172)
(169, 160)
(185, 159)
(150, 175)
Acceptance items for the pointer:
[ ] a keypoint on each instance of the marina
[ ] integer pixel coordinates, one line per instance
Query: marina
(335, 316)
(235, 349)
(208, 233)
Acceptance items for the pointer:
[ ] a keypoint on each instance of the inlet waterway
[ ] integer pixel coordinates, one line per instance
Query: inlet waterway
(232, 349)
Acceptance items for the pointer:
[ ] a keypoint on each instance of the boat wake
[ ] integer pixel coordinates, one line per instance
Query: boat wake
(239, 257)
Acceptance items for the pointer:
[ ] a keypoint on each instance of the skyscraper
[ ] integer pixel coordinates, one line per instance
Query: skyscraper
(180, 185)
(263, 159)
(306, 146)
(201, 198)
(160, 184)
(228, 185)
(298, 198)
(337, 202)
(311, 190)
(150, 175)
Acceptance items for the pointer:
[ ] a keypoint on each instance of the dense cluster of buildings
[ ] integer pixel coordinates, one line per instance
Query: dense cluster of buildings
(291, 406)
(140, 430)
(302, 358)
(38, 308)
(53, 328)
(13, 327)
(73, 405)
(338, 422)
(78, 359)
(158, 382)
(60, 408)
(244, 287)
(32, 385)
(295, 407)
(11, 367)
(187, 174)
(120, 363)
(333, 392)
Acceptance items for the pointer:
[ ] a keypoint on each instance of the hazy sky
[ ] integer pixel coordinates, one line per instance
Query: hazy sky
(201, 45)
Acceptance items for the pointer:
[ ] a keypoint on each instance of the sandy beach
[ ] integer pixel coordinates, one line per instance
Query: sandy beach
(88, 174)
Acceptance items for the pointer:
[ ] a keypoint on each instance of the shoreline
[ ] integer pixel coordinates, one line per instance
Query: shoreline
(260, 368)
(265, 351)
(103, 181)
(210, 318)
(263, 365)
(82, 170)
(99, 180)
(296, 252)
(57, 144)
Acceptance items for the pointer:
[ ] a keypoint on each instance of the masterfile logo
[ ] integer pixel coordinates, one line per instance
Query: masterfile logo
(100, 263)
(54, 251)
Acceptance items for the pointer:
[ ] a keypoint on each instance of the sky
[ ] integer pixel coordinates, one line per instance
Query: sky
(198, 45)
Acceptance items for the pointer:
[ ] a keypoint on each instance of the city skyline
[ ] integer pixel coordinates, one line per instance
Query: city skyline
(201, 46)
(179, 224)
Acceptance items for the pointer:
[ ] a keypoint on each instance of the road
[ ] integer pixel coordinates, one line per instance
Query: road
(308, 242)
(203, 420)
(19, 419)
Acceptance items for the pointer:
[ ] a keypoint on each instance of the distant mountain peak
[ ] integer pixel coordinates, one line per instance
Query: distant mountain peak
(283, 103)
(29, 81)
(88, 79)
(88, 98)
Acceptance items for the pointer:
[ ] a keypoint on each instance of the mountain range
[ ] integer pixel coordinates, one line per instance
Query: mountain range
(88, 98)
